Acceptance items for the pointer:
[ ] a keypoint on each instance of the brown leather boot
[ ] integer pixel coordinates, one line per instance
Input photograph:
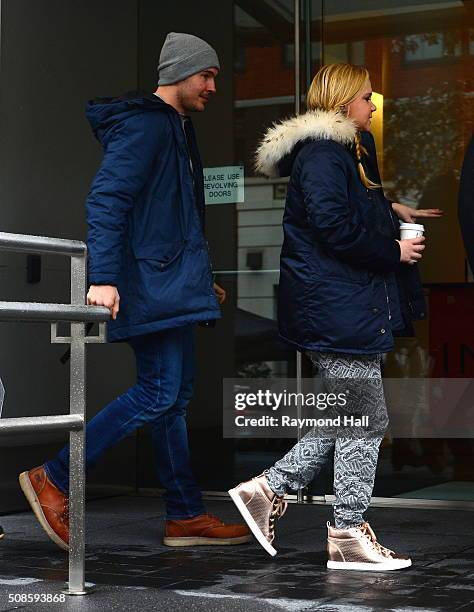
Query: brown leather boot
(50, 505)
(204, 529)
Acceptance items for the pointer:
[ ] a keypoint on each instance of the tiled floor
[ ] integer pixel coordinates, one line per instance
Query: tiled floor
(131, 570)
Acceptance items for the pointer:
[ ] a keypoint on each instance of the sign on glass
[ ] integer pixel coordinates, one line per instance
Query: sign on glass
(224, 184)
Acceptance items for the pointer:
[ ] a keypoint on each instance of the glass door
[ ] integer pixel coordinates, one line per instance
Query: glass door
(421, 59)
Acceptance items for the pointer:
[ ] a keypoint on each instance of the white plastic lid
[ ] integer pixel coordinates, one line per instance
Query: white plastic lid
(412, 226)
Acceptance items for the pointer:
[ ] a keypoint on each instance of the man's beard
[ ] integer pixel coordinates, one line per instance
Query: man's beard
(194, 105)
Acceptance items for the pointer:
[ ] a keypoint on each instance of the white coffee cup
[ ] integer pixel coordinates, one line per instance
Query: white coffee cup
(411, 230)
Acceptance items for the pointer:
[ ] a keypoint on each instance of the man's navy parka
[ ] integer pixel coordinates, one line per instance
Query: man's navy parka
(145, 234)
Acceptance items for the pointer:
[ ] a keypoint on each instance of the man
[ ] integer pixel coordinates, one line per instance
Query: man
(149, 264)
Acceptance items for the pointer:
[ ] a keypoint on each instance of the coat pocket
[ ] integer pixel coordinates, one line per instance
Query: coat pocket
(164, 254)
(322, 263)
(330, 266)
(170, 280)
(340, 313)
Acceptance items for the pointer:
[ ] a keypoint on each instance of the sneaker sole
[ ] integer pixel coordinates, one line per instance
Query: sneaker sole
(369, 567)
(33, 500)
(254, 528)
(201, 541)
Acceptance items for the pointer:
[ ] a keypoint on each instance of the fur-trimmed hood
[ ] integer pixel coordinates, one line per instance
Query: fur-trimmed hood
(276, 151)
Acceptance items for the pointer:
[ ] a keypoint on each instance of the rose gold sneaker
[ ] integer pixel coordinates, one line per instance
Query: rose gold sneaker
(357, 549)
(260, 508)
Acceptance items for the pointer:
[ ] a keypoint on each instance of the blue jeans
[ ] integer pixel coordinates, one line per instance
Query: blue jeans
(165, 370)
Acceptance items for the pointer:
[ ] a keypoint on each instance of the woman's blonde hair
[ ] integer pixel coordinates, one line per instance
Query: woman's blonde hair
(333, 87)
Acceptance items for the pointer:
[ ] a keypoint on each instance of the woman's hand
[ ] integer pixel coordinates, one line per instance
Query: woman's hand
(409, 215)
(411, 249)
(220, 293)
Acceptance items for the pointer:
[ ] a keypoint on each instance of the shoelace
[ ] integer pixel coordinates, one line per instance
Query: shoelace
(368, 533)
(279, 507)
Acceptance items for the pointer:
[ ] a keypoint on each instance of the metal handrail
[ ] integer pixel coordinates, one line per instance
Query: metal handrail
(37, 311)
(61, 422)
(76, 313)
(26, 243)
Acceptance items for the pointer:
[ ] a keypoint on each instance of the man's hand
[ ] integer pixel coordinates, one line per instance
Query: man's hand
(411, 249)
(410, 215)
(220, 293)
(104, 295)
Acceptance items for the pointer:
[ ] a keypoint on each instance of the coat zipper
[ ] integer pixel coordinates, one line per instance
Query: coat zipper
(388, 301)
(391, 219)
(384, 281)
(389, 212)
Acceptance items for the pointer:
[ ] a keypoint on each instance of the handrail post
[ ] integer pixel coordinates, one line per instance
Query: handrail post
(77, 313)
(77, 383)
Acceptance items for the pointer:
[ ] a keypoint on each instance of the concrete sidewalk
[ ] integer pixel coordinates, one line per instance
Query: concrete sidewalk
(132, 570)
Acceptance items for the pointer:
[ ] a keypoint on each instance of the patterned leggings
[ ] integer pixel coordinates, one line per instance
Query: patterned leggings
(355, 460)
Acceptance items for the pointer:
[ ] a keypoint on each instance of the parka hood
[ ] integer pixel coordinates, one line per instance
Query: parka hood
(281, 142)
(102, 113)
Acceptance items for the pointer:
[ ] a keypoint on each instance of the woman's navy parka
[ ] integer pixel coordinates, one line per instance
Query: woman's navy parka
(342, 287)
(145, 231)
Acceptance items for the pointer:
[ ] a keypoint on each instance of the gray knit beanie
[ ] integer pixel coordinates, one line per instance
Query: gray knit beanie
(183, 55)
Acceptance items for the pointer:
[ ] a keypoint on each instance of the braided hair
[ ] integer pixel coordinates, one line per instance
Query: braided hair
(361, 150)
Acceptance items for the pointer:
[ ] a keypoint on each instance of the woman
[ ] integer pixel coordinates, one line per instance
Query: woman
(347, 284)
